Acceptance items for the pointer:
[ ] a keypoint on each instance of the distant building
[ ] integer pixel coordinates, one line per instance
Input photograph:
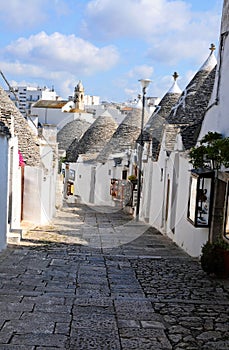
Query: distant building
(24, 96)
(79, 96)
(59, 113)
(121, 109)
(81, 100)
(91, 100)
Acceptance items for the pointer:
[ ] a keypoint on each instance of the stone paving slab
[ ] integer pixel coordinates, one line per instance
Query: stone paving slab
(88, 339)
(60, 289)
(136, 338)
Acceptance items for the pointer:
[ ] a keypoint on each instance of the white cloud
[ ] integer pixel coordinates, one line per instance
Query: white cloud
(191, 44)
(138, 17)
(58, 52)
(22, 69)
(172, 31)
(57, 58)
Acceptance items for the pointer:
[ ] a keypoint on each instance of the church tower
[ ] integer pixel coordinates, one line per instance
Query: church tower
(79, 96)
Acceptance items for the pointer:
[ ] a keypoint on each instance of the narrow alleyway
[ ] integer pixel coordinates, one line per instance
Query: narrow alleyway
(96, 279)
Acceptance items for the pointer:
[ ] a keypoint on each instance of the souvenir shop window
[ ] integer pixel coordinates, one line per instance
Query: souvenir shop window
(200, 197)
(226, 216)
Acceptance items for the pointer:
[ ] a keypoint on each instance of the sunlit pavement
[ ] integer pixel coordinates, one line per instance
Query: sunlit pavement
(96, 279)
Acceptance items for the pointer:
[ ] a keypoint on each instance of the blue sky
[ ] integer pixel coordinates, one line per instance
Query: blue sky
(108, 44)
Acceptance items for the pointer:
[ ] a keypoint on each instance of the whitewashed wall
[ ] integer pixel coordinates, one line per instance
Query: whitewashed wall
(104, 174)
(4, 190)
(167, 209)
(49, 159)
(40, 189)
(158, 186)
(37, 196)
(146, 190)
(92, 184)
(32, 194)
(188, 237)
(15, 184)
(82, 183)
(92, 181)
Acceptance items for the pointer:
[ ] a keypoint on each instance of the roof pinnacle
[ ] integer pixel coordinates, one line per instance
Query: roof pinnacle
(212, 48)
(175, 75)
(211, 61)
(175, 88)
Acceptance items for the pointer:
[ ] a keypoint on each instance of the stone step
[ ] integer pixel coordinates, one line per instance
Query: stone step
(14, 236)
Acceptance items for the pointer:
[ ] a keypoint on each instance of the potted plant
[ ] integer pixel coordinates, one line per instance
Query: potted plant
(133, 179)
(215, 258)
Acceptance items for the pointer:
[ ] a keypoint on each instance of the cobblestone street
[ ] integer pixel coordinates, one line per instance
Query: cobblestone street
(96, 279)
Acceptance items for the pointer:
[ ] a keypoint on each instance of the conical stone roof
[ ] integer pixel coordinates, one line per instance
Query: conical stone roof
(182, 111)
(125, 135)
(70, 132)
(94, 139)
(190, 132)
(189, 112)
(155, 126)
(28, 142)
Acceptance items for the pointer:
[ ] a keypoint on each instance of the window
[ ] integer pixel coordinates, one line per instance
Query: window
(72, 174)
(226, 216)
(117, 161)
(124, 174)
(200, 198)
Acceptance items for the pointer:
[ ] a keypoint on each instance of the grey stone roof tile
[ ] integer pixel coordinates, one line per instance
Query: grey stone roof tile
(189, 111)
(28, 142)
(191, 115)
(125, 135)
(154, 128)
(170, 136)
(94, 139)
(182, 111)
(70, 132)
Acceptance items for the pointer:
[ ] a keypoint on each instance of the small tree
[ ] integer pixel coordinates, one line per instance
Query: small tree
(212, 153)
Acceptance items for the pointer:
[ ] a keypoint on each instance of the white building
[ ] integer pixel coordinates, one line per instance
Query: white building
(216, 120)
(114, 164)
(165, 195)
(29, 172)
(40, 182)
(91, 100)
(25, 96)
(61, 112)
(82, 156)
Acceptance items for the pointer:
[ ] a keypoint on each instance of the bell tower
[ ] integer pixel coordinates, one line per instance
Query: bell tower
(79, 96)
